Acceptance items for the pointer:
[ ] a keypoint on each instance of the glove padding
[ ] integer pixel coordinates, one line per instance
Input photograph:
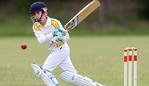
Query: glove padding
(58, 37)
(59, 32)
(57, 40)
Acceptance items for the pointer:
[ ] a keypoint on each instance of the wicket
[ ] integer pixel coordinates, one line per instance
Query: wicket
(130, 56)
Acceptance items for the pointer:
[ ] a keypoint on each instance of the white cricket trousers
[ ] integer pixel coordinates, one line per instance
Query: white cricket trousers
(60, 56)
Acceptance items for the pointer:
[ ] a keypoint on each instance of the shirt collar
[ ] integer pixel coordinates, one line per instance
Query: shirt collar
(48, 22)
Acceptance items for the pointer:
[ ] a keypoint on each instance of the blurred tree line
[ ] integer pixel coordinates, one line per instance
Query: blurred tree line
(120, 12)
(144, 11)
(22, 6)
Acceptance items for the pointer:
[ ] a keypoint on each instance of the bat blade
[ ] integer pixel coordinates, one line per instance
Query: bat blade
(81, 15)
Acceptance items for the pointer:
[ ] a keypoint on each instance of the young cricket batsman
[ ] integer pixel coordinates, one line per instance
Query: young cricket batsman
(49, 31)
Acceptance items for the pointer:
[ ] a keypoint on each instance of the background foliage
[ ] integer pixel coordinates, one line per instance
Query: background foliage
(114, 17)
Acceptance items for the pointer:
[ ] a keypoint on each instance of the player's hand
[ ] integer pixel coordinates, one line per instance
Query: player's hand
(59, 32)
(57, 40)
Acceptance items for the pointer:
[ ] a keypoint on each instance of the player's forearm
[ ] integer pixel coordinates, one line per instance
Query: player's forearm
(66, 37)
(43, 38)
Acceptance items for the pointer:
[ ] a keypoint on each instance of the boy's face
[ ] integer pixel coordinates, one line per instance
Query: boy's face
(37, 15)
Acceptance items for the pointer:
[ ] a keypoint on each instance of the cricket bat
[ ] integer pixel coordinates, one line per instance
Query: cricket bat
(81, 15)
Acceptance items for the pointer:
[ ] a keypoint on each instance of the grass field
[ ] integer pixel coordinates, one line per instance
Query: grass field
(100, 58)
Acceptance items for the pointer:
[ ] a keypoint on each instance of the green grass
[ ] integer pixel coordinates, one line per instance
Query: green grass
(100, 58)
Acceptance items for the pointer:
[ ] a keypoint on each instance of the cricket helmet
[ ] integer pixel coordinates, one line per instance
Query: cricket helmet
(37, 6)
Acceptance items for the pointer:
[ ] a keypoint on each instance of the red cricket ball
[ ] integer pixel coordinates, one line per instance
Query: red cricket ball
(23, 46)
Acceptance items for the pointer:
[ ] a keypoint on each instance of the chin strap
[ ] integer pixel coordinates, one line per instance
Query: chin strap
(34, 20)
(39, 20)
